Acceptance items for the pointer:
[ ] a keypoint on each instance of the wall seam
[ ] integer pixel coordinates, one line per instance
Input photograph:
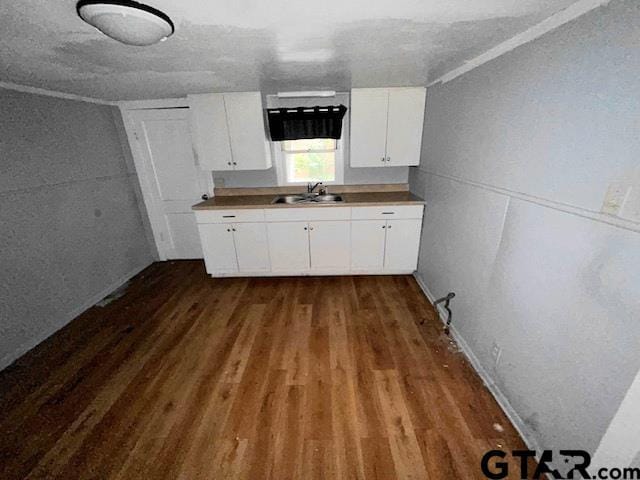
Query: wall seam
(570, 209)
(65, 183)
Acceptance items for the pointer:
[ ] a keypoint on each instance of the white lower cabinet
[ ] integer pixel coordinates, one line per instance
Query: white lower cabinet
(289, 246)
(232, 248)
(329, 245)
(402, 244)
(367, 244)
(328, 240)
(218, 248)
(252, 247)
(387, 245)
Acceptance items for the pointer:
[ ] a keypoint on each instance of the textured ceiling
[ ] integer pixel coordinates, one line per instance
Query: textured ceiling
(266, 45)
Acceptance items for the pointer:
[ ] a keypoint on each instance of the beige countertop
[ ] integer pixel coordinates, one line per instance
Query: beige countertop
(351, 199)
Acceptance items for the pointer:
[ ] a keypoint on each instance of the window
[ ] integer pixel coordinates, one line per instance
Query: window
(313, 160)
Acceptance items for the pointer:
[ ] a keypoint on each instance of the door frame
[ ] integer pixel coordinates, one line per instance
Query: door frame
(144, 169)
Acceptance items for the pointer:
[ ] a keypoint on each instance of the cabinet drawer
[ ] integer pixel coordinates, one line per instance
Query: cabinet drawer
(388, 212)
(307, 214)
(229, 216)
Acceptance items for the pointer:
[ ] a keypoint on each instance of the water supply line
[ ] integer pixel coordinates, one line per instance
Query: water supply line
(446, 301)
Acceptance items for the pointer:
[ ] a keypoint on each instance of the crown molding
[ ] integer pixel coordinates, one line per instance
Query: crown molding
(554, 21)
(53, 93)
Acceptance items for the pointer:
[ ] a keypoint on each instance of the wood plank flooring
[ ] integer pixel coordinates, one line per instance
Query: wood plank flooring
(188, 377)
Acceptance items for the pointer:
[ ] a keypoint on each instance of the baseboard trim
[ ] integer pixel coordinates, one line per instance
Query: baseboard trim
(502, 400)
(33, 342)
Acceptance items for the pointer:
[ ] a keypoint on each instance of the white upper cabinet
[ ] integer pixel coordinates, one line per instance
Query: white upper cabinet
(245, 119)
(386, 126)
(405, 120)
(229, 131)
(210, 132)
(369, 108)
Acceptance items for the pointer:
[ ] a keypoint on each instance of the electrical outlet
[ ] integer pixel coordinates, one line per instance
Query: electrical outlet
(496, 353)
(615, 198)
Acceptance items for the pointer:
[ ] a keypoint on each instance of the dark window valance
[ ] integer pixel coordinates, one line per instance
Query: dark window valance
(306, 122)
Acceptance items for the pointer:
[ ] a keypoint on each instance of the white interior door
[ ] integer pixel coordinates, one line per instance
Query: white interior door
(219, 249)
(368, 127)
(329, 244)
(289, 246)
(170, 179)
(252, 247)
(405, 122)
(367, 244)
(403, 243)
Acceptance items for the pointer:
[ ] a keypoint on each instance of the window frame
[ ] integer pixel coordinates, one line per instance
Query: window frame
(280, 156)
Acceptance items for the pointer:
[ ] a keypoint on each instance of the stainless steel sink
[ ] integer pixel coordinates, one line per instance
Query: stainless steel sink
(290, 199)
(328, 198)
(294, 199)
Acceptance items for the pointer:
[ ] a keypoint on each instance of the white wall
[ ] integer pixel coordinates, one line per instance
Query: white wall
(517, 157)
(71, 228)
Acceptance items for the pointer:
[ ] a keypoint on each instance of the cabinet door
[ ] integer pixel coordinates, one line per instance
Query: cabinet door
(288, 246)
(252, 248)
(402, 245)
(218, 247)
(210, 132)
(367, 244)
(245, 117)
(405, 122)
(368, 127)
(329, 244)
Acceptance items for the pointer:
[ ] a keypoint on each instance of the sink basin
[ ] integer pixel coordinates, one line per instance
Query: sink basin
(294, 199)
(290, 199)
(329, 198)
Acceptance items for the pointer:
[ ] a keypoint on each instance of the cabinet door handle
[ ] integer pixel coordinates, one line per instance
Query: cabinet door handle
(234, 163)
(383, 226)
(310, 228)
(233, 229)
(305, 228)
(389, 226)
(388, 159)
(228, 216)
(388, 213)
(228, 229)
(383, 159)
(228, 163)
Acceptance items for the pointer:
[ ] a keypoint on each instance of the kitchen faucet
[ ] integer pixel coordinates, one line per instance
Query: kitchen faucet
(311, 188)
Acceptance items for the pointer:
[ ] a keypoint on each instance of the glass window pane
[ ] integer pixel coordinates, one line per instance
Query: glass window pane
(311, 144)
(311, 167)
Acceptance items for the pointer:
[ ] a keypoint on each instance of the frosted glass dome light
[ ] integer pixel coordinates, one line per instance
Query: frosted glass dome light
(128, 22)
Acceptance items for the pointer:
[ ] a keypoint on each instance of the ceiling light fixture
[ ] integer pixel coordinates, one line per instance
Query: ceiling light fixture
(127, 21)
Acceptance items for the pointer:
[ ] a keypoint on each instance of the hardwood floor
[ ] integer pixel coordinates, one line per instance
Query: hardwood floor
(187, 377)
